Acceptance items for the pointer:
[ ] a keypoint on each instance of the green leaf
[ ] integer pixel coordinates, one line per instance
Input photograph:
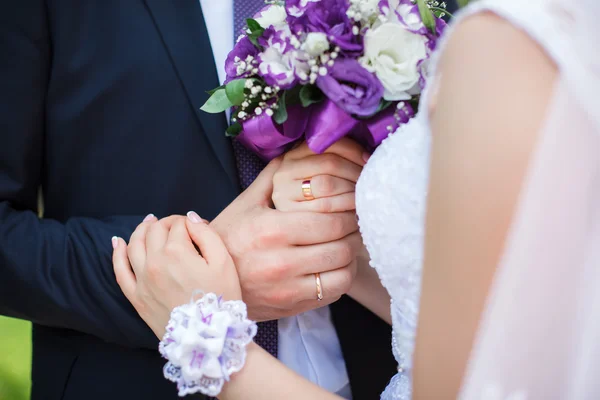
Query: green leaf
(292, 96)
(253, 25)
(234, 129)
(235, 91)
(217, 103)
(426, 16)
(255, 29)
(310, 94)
(254, 39)
(383, 105)
(281, 114)
(463, 3)
(211, 92)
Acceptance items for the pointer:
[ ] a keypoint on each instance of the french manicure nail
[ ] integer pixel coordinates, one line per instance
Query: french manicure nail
(115, 242)
(149, 217)
(366, 156)
(195, 218)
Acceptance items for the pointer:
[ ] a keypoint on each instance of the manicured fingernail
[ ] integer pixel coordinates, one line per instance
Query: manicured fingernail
(115, 242)
(366, 156)
(149, 217)
(195, 218)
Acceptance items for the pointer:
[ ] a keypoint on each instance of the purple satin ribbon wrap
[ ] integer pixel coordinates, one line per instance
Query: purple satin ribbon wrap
(269, 140)
(322, 124)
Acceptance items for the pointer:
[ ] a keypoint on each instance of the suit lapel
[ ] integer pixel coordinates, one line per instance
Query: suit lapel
(181, 25)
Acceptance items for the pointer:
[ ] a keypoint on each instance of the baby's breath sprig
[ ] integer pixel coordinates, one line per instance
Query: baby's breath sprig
(259, 98)
(363, 12)
(437, 7)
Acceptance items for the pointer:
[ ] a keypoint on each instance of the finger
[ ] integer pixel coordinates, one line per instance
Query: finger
(331, 256)
(327, 186)
(179, 235)
(320, 186)
(211, 246)
(170, 220)
(293, 264)
(336, 204)
(306, 228)
(136, 249)
(334, 284)
(261, 189)
(122, 268)
(324, 164)
(157, 236)
(345, 147)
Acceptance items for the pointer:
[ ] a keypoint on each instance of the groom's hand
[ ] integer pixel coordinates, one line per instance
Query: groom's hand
(277, 254)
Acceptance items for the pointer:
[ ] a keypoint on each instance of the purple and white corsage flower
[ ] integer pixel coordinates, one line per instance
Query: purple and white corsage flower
(205, 343)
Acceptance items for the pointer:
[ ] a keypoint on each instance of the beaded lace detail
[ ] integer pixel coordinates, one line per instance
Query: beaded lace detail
(391, 206)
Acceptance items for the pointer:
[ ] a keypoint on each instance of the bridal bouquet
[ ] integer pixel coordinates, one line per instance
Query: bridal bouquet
(325, 69)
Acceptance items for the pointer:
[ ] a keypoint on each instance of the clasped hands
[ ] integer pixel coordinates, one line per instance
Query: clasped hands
(265, 248)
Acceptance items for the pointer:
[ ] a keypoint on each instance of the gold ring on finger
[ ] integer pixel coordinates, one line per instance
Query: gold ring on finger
(307, 190)
(319, 286)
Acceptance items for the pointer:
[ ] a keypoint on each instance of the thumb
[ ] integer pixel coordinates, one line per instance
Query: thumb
(261, 190)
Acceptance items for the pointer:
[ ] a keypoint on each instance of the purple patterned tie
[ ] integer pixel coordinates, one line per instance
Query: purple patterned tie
(249, 165)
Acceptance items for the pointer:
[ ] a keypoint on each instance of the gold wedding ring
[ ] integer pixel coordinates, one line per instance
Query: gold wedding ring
(319, 286)
(307, 190)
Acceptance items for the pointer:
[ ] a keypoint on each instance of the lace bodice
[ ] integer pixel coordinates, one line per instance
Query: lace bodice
(391, 207)
(391, 193)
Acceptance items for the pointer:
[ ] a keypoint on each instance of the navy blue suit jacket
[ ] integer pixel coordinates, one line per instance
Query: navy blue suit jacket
(99, 108)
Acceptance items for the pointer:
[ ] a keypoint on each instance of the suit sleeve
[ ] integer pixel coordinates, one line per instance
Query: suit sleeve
(54, 274)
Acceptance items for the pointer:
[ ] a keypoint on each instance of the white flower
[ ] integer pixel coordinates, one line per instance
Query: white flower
(368, 7)
(393, 54)
(278, 66)
(315, 44)
(274, 15)
(403, 12)
(364, 11)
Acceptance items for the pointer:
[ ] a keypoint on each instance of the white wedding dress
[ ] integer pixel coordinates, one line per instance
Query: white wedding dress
(391, 205)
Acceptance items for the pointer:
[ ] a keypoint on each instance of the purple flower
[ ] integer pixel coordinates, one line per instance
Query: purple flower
(297, 8)
(440, 27)
(329, 17)
(239, 60)
(352, 88)
(280, 62)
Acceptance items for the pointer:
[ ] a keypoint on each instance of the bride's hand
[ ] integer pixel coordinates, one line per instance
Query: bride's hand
(161, 268)
(331, 176)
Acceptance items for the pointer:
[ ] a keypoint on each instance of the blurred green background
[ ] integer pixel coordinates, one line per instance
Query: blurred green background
(15, 359)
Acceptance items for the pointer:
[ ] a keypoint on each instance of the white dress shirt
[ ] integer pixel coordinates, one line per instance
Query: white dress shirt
(308, 343)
